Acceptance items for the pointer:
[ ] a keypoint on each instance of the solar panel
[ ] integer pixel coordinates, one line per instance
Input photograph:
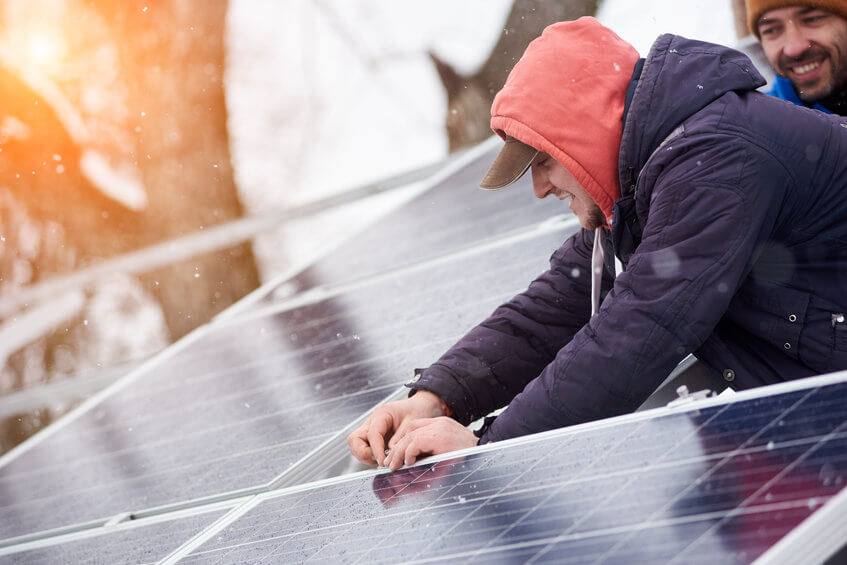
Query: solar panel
(241, 402)
(451, 215)
(261, 399)
(718, 482)
(145, 541)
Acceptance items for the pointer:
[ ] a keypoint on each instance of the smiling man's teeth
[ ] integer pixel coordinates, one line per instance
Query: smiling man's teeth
(806, 68)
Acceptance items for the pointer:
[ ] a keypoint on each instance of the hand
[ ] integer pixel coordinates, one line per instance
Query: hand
(391, 422)
(429, 436)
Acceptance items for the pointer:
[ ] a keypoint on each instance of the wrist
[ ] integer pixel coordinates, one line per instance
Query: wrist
(433, 403)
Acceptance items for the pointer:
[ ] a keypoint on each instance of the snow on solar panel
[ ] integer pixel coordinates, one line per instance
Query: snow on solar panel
(230, 412)
(715, 483)
(453, 214)
(243, 401)
(134, 542)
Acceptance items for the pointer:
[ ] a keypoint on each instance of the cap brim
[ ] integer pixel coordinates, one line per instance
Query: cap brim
(510, 165)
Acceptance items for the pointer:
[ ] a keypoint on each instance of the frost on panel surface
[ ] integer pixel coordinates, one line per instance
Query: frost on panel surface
(717, 485)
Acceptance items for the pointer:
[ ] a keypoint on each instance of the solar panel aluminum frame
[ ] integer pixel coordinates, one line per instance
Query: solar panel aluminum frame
(59, 538)
(323, 460)
(559, 222)
(471, 155)
(794, 545)
(327, 459)
(816, 539)
(90, 403)
(331, 457)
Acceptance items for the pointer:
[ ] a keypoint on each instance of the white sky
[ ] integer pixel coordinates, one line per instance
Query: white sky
(640, 22)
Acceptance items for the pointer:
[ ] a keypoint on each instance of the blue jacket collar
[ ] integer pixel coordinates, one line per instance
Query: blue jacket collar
(782, 88)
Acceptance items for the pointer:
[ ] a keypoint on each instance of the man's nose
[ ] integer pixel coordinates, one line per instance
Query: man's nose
(796, 41)
(541, 188)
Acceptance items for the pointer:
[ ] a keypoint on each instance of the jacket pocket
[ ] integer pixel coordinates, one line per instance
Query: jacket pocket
(839, 341)
(816, 340)
(839, 331)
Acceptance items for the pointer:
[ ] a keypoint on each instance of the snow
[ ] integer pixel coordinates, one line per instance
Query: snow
(641, 22)
(327, 95)
(323, 96)
(37, 321)
(121, 184)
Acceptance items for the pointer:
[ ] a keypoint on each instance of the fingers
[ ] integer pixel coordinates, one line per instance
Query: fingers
(359, 446)
(417, 447)
(391, 424)
(398, 434)
(380, 424)
(397, 457)
(429, 436)
(412, 444)
(406, 427)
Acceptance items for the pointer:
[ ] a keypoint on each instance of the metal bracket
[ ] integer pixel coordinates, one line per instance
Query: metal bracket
(118, 519)
(686, 397)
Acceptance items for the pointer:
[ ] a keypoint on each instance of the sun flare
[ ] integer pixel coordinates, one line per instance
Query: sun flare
(44, 50)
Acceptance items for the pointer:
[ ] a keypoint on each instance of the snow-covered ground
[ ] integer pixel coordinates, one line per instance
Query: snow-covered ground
(330, 94)
(642, 21)
(327, 95)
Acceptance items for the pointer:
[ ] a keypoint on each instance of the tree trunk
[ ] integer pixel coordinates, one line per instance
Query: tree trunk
(171, 56)
(164, 112)
(739, 10)
(469, 98)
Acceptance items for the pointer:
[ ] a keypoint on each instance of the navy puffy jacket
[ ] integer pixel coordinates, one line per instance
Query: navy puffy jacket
(733, 231)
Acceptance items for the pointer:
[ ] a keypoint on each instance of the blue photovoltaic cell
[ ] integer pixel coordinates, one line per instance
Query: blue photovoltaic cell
(452, 215)
(240, 405)
(139, 544)
(717, 485)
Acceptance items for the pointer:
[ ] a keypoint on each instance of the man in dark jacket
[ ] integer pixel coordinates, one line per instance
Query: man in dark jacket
(806, 44)
(727, 208)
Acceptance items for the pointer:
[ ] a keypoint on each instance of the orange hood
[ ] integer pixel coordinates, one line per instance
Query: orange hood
(565, 97)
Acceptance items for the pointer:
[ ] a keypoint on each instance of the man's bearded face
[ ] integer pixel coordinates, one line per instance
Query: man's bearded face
(807, 46)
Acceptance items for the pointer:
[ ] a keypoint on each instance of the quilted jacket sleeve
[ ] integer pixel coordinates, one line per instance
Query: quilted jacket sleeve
(700, 240)
(497, 358)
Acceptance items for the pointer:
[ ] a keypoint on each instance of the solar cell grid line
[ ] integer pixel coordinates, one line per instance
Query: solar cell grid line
(246, 400)
(817, 539)
(811, 463)
(143, 541)
(623, 540)
(717, 467)
(453, 214)
(613, 491)
(448, 168)
(663, 539)
(525, 522)
(714, 469)
(673, 477)
(436, 288)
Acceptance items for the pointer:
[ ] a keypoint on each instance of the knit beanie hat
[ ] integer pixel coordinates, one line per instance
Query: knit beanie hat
(757, 8)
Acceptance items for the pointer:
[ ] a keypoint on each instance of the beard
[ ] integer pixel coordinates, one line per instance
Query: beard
(596, 218)
(825, 86)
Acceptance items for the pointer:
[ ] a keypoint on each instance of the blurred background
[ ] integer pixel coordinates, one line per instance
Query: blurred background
(160, 159)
